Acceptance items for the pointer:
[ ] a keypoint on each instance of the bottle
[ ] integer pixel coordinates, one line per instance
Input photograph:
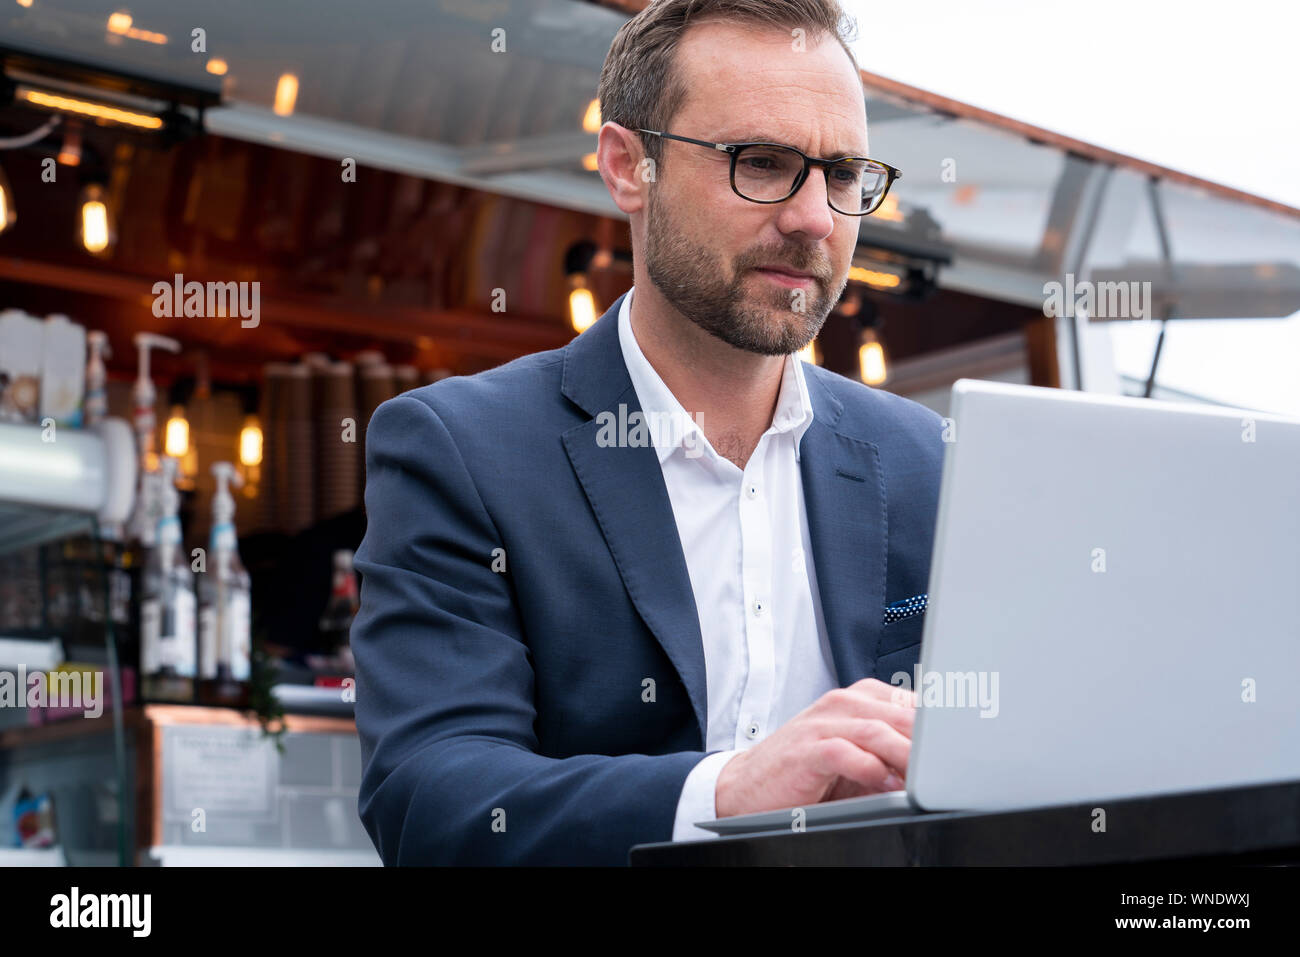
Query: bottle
(147, 508)
(336, 622)
(168, 645)
(225, 603)
(96, 401)
(118, 559)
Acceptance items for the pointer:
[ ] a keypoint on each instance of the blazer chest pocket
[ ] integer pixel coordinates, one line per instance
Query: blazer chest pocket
(903, 623)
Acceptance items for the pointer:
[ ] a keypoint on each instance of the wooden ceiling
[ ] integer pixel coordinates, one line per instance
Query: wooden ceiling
(394, 262)
(389, 261)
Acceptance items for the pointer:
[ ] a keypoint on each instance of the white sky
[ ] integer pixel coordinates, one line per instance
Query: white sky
(1212, 89)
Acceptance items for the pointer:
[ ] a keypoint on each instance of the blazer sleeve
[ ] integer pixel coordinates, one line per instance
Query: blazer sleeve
(444, 703)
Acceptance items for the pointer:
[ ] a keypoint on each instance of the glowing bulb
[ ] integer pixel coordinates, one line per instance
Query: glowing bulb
(582, 309)
(286, 94)
(217, 66)
(250, 443)
(809, 352)
(871, 359)
(8, 215)
(70, 151)
(589, 162)
(96, 232)
(94, 224)
(591, 119)
(176, 441)
(119, 22)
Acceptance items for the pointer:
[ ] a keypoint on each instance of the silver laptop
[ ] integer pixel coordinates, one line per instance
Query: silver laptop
(1114, 607)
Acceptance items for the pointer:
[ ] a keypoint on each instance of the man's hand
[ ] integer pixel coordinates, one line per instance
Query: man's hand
(849, 742)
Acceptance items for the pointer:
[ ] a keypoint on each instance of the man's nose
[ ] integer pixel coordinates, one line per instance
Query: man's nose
(807, 212)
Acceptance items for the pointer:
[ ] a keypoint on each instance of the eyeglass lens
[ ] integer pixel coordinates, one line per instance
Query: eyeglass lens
(768, 174)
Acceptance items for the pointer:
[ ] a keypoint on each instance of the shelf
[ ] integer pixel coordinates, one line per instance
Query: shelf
(137, 716)
(73, 727)
(309, 699)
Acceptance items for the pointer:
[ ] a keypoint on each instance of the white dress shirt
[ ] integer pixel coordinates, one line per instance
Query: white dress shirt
(745, 539)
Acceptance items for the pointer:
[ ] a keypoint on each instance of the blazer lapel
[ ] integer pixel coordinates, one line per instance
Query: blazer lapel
(844, 494)
(625, 487)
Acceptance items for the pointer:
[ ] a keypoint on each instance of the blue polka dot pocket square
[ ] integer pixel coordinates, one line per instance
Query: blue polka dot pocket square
(907, 608)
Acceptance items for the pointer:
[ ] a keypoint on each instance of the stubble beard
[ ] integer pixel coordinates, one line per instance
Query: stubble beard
(742, 310)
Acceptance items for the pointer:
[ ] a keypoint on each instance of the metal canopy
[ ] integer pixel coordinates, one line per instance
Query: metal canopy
(416, 86)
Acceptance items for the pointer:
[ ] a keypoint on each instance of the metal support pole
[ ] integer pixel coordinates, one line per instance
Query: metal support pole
(1080, 259)
(1167, 258)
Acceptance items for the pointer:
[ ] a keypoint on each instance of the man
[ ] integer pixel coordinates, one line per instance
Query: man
(572, 639)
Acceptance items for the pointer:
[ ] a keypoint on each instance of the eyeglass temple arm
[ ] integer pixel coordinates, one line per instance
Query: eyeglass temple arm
(724, 147)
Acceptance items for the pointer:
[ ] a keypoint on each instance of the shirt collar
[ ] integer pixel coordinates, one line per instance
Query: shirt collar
(672, 427)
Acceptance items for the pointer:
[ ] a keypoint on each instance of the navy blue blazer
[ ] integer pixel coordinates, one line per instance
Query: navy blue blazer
(521, 582)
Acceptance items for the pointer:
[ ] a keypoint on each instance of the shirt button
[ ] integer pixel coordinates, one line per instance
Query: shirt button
(758, 607)
(751, 730)
(751, 491)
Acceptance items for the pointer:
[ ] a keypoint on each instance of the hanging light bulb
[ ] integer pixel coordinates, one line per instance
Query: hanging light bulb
(96, 230)
(591, 118)
(250, 442)
(578, 260)
(871, 358)
(8, 215)
(286, 94)
(70, 151)
(176, 437)
(582, 304)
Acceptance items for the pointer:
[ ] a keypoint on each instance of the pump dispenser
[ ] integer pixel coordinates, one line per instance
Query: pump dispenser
(147, 508)
(143, 392)
(225, 601)
(168, 647)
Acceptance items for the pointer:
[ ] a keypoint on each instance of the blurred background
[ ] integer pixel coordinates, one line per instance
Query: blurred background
(411, 187)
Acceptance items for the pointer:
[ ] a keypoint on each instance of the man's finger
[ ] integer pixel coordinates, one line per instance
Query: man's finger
(841, 757)
(873, 735)
(885, 692)
(851, 702)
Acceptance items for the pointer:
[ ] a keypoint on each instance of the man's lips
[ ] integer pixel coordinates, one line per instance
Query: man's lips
(786, 276)
(787, 271)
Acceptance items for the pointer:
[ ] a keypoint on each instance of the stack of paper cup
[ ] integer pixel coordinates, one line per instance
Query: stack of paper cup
(338, 439)
(296, 451)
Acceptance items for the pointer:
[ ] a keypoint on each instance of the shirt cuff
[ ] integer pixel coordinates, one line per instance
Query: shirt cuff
(697, 801)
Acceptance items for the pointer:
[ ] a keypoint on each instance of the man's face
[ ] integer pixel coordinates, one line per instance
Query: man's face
(725, 263)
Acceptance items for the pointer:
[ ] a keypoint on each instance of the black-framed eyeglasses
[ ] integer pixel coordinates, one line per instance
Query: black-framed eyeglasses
(772, 173)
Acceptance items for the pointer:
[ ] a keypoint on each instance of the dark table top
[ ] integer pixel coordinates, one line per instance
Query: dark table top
(1255, 824)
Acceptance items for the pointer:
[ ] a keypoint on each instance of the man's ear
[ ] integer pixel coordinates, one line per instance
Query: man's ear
(628, 173)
